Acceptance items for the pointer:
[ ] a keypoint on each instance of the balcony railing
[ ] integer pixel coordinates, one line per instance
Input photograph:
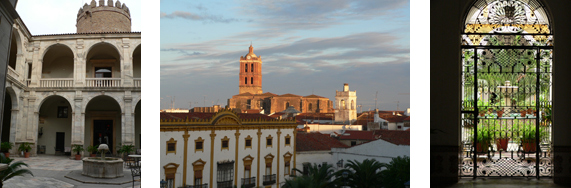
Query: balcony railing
(269, 179)
(56, 82)
(249, 182)
(225, 184)
(195, 186)
(13, 73)
(137, 82)
(28, 81)
(103, 82)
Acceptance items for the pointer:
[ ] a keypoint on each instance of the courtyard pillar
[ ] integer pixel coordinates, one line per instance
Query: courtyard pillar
(127, 121)
(77, 121)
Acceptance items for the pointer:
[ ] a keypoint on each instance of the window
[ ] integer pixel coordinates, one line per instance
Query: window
(225, 175)
(306, 168)
(252, 67)
(171, 146)
(269, 141)
(245, 80)
(287, 159)
(248, 166)
(248, 142)
(62, 112)
(225, 141)
(251, 80)
(352, 105)
(170, 171)
(287, 140)
(269, 159)
(246, 67)
(198, 166)
(310, 105)
(353, 143)
(103, 72)
(198, 144)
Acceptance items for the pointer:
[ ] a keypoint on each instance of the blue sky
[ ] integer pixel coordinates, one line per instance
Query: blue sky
(306, 47)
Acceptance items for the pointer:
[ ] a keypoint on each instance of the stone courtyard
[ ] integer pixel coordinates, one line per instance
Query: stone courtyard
(61, 171)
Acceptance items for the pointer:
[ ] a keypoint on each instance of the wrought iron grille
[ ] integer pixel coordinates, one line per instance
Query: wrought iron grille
(506, 105)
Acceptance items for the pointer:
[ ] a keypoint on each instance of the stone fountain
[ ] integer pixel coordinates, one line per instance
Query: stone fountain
(104, 167)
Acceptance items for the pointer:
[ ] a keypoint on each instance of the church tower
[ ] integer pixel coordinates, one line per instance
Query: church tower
(346, 102)
(250, 73)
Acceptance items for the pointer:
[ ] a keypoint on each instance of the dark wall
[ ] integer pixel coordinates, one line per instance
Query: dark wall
(7, 16)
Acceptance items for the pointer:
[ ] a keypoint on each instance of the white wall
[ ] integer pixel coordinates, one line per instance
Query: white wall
(332, 128)
(380, 150)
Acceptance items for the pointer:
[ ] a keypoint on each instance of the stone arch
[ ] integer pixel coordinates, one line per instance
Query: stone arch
(15, 49)
(58, 60)
(14, 97)
(67, 98)
(90, 48)
(89, 99)
(45, 50)
(136, 61)
(106, 57)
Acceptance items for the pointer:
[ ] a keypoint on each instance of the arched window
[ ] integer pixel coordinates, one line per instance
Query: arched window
(246, 67)
(342, 104)
(251, 80)
(245, 80)
(352, 105)
(252, 67)
(506, 50)
(287, 105)
(310, 105)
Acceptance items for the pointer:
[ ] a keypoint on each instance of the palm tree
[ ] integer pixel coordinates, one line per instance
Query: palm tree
(317, 176)
(363, 175)
(397, 172)
(14, 169)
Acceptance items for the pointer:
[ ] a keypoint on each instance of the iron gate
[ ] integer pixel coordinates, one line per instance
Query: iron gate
(506, 105)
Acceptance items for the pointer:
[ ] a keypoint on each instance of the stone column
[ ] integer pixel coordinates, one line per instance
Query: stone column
(36, 65)
(32, 118)
(79, 63)
(78, 121)
(127, 128)
(126, 64)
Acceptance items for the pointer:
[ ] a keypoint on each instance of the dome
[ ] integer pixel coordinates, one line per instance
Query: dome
(251, 53)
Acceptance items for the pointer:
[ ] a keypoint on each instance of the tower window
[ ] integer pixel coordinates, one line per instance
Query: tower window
(252, 67)
(245, 80)
(246, 67)
(251, 80)
(310, 105)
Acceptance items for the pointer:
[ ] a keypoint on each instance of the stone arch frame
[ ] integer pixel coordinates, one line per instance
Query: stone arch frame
(52, 44)
(467, 12)
(67, 98)
(134, 105)
(16, 34)
(117, 48)
(117, 99)
(14, 96)
(136, 45)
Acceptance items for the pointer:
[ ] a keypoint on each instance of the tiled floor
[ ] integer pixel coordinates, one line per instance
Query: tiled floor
(50, 171)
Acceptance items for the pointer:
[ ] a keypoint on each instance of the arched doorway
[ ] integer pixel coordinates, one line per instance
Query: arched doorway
(103, 122)
(507, 48)
(7, 116)
(138, 138)
(54, 127)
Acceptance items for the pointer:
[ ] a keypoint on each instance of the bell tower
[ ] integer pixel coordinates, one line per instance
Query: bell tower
(250, 79)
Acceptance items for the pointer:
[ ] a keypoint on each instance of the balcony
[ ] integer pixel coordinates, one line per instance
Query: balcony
(103, 82)
(56, 82)
(196, 186)
(137, 82)
(225, 184)
(13, 73)
(269, 179)
(249, 182)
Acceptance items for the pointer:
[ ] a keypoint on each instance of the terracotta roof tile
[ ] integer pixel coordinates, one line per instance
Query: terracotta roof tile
(288, 95)
(397, 137)
(357, 135)
(316, 141)
(202, 115)
(313, 96)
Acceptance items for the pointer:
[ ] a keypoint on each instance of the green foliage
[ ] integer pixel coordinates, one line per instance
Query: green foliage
(77, 149)
(126, 149)
(397, 172)
(317, 176)
(6, 146)
(92, 149)
(366, 174)
(14, 169)
(26, 147)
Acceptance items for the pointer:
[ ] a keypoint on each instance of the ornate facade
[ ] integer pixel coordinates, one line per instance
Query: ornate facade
(226, 149)
(74, 89)
(346, 102)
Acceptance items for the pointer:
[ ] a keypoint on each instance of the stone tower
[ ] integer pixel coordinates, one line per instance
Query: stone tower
(101, 18)
(250, 73)
(346, 102)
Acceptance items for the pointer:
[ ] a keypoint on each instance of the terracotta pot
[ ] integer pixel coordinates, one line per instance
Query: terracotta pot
(500, 113)
(502, 143)
(481, 148)
(77, 157)
(27, 154)
(490, 110)
(529, 147)
(482, 114)
(7, 154)
(93, 155)
(529, 110)
(523, 112)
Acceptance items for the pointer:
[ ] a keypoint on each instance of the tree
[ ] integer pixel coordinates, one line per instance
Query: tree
(317, 176)
(397, 172)
(363, 175)
(14, 169)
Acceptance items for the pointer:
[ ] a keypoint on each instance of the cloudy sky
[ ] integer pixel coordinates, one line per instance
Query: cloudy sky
(59, 16)
(306, 47)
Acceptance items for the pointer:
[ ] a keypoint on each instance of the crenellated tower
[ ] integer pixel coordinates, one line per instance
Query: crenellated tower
(250, 80)
(113, 17)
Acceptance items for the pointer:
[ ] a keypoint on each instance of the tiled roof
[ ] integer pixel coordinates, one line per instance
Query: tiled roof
(288, 95)
(397, 137)
(252, 111)
(267, 94)
(201, 115)
(121, 32)
(313, 96)
(316, 141)
(357, 135)
(245, 94)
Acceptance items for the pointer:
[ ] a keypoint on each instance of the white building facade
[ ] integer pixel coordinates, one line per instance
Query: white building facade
(225, 150)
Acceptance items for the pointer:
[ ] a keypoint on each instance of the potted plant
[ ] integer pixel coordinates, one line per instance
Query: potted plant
(500, 111)
(92, 150)
(523, 112)
(6, 147)
(77, 149)
(126, 149)
(483, 140)
(528, 139)
(482, 107)
(502, 139)
(26, 148)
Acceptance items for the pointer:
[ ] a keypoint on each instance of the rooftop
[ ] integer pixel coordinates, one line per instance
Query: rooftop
(316, 141)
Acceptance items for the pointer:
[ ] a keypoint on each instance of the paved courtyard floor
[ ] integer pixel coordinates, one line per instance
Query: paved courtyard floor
(61, 171)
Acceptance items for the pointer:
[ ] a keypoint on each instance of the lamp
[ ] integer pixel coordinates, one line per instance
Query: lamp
(163, 183)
